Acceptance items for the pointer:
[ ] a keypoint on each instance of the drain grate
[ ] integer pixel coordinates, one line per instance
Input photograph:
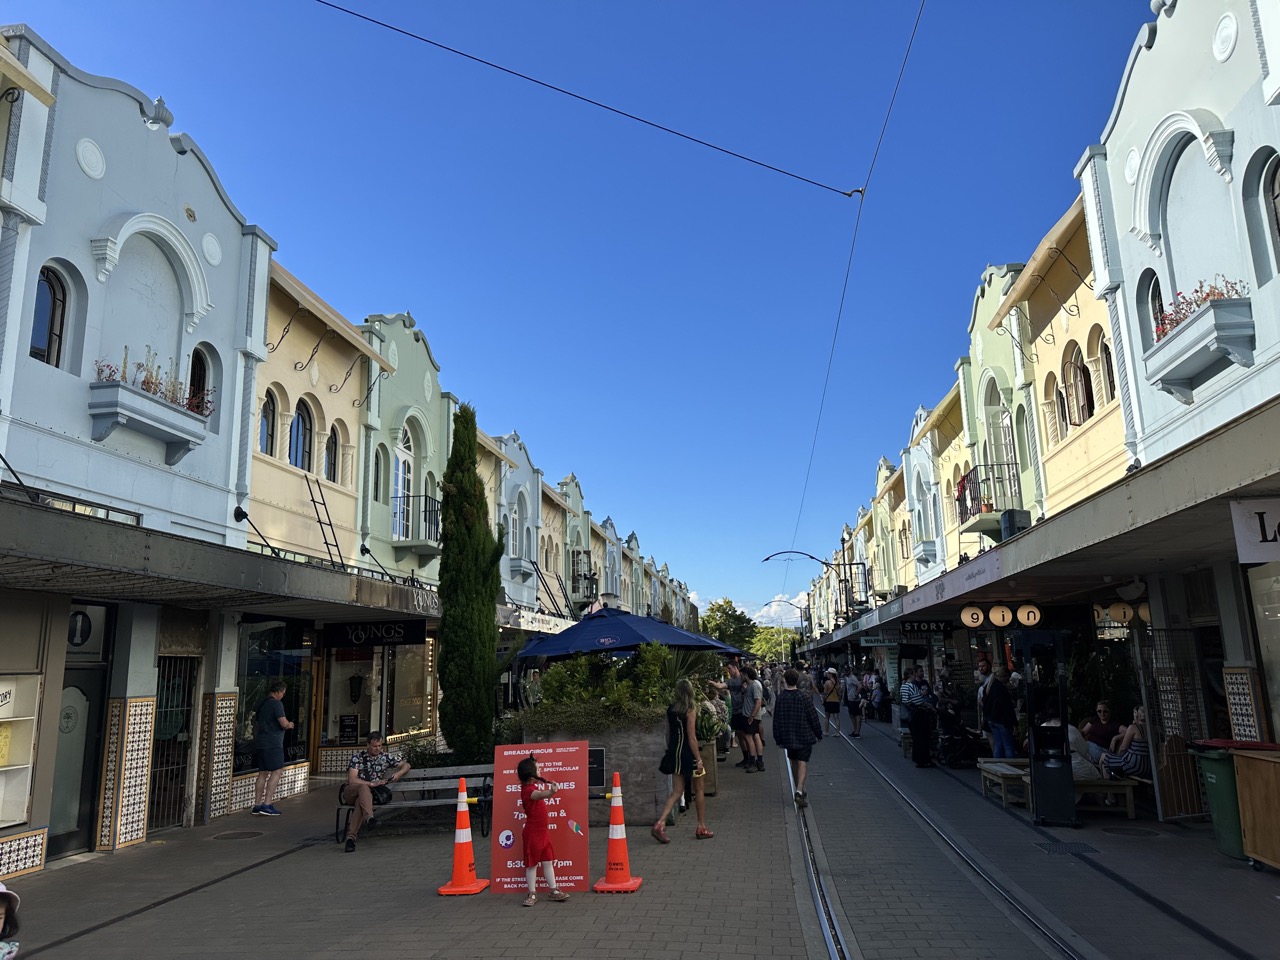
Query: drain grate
(1130, 832)
(1066, 848)
(238, 835)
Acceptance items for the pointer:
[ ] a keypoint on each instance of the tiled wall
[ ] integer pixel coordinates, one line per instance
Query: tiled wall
(294, 780)
(217, 755)
(126, 773)
(22, 853)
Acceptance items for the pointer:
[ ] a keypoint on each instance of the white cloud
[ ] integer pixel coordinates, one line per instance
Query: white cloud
(780, 609)
(695, 600)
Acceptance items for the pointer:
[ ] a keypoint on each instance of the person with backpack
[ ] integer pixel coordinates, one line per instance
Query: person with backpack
(851, 694)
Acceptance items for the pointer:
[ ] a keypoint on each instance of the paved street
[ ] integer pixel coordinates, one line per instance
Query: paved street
(898, 889)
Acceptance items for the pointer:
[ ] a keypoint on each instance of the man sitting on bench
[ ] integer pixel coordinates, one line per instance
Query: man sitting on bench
(371, 767)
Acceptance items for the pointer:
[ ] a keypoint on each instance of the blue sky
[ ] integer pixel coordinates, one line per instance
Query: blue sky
(649, 314)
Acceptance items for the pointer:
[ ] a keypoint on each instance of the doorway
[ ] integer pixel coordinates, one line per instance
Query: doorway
(81, 715)
(172, 741)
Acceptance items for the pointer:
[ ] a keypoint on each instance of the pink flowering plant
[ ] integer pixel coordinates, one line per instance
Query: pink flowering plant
(1185, 305)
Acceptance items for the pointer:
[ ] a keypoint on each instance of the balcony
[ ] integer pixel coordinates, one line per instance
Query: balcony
(522, 569)
(1220, 332)
(925, 552)
(415, 526)
(114, 403)
(984, 493)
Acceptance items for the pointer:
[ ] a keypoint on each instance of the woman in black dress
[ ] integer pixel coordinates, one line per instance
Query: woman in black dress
(682, 747)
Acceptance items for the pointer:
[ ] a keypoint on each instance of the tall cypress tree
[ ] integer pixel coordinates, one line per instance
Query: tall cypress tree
(469, 583)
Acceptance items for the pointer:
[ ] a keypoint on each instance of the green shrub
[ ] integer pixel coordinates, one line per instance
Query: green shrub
(585, 719)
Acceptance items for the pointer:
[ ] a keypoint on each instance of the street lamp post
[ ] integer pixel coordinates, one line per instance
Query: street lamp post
(842, 575)
(798, 607)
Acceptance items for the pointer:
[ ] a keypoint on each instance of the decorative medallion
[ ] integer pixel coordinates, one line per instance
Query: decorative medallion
(68, 719)
(1224, 37)
(211, 249)
(426, 385)
(313, 372)
(1131, 165)
(393, 354)
(89, 156)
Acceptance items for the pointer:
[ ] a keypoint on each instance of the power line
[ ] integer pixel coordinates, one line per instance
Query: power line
(579, 97)
(844, 292)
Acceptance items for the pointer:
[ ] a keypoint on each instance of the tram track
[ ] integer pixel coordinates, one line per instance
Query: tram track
(1007, 896)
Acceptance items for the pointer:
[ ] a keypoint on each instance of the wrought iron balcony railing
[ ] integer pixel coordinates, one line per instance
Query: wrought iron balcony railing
(989, 488)
(415, 518)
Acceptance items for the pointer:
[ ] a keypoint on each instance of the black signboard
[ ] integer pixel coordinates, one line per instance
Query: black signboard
(595, 770)
(348, 729)
(370, 633)
(919, 629)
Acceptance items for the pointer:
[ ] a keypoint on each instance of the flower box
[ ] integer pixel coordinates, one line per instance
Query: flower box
(113, 403)
(1219, 328)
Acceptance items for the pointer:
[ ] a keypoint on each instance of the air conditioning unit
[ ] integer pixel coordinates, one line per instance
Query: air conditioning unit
(1013, 522)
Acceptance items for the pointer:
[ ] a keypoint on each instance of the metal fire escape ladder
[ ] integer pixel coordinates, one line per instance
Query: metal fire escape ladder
(551, 594)
(321, 507)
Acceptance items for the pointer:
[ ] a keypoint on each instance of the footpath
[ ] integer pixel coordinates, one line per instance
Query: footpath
(894, 846)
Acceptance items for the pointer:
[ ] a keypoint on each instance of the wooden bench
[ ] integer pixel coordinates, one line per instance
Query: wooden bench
(430, 787)
(1123, 787)
(1001, 775)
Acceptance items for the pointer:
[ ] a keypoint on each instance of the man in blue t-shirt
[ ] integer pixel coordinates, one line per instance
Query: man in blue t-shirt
(268, 749)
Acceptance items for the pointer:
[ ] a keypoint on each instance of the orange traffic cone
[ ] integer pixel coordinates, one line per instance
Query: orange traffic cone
(617, 872)
(464, 859)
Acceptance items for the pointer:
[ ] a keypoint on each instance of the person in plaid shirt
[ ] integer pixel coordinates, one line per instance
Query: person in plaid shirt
(371, 767)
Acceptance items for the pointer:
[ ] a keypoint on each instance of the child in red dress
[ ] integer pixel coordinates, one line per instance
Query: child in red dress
(537, 838)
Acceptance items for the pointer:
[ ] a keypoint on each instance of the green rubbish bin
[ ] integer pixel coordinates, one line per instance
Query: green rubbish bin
(1219, 772)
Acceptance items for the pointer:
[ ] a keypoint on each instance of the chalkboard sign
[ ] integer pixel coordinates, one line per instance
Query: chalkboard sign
(596, 779)
(348, 729)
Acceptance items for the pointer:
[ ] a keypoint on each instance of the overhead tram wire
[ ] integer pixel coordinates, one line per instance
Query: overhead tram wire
(582, 99)
(844, 291)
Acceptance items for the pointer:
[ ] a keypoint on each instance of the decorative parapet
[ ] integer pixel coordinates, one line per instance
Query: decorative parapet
(1221, 328)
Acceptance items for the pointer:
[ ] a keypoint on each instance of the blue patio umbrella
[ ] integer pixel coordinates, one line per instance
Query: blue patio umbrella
(610, 629)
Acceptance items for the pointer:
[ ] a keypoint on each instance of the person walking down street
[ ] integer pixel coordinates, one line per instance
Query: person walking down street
(268, 749)
(998, 714)
(796, 728)
(737, 721)
(919, 718)
(851, 694)
(831, 700)
(984, 682)
(371, 767)
(685, 756)
(752, 705)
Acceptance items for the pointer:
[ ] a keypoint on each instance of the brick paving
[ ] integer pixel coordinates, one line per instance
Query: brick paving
(898, 889)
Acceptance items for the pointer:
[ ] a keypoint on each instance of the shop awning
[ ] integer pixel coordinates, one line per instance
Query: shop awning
(51, 550)
(1168, 517)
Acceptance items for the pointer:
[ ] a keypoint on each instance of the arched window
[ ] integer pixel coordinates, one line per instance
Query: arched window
(1054, 409)
(402, 487)
(331, 456)
(1079, 388)
(51, 318)
(301, 437)
(198, 400)
(267, 426)
(379, 487)
(1153, 306)
(1108, 370)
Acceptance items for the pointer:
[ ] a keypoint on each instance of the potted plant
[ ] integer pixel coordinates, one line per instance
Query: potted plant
(987, 506)
(1188, 305)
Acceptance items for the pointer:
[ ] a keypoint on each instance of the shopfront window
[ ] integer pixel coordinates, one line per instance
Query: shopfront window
(387, 687)
(270, 651)
(1264, 586)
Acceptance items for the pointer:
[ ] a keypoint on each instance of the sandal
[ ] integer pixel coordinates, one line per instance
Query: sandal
(702, 833)
(559, 896)
(531, 900)
(659, 832)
